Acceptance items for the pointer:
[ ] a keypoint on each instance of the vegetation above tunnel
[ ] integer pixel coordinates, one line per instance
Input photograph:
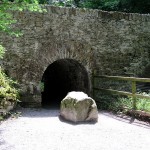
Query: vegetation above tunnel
(130, 6)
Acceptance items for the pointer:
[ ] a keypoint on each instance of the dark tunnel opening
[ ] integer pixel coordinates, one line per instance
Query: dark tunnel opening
(61, 77)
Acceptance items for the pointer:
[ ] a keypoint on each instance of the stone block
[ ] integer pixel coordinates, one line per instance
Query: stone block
(78, 107)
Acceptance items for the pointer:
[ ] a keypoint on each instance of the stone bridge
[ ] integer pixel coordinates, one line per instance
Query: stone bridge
(63, 46)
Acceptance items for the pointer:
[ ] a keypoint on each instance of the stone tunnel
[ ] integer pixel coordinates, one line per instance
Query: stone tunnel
(63, 46)
(61, 77)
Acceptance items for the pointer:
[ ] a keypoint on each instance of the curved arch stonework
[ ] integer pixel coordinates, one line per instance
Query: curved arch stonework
(112, 43)
(29, 72)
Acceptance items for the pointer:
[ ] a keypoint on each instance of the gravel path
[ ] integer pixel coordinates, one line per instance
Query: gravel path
(41, 129)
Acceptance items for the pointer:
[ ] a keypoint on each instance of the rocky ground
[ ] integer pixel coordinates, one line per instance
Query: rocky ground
(41, 129)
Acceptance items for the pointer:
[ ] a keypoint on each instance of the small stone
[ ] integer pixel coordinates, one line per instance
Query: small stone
(78, 107)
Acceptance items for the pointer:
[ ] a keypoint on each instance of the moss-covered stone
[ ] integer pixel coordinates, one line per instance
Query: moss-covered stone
(78, 107)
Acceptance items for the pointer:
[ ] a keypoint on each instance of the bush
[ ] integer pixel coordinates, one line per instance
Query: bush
(123, 103)
(8, 94)
(118, 103)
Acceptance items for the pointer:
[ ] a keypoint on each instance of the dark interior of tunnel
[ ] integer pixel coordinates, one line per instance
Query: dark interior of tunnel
(61, 77)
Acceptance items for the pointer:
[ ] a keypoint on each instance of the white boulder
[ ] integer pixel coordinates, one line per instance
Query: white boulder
(78, 107)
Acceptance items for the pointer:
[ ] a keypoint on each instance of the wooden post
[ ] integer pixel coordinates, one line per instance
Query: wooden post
(133, 94)
(93, 83)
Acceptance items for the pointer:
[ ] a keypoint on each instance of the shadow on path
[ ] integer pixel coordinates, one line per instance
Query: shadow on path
(38, 112)
(126, 119)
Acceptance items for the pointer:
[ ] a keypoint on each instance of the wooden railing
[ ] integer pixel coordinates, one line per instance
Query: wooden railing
(133, 81)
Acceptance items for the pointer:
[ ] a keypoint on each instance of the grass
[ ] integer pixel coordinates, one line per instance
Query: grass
(144, 104)
(117, 103)
(141, 104)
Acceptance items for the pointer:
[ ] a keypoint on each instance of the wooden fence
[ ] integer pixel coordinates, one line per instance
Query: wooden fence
(133, 82)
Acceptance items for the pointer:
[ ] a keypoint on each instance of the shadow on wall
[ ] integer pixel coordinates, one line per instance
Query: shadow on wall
(61, 77)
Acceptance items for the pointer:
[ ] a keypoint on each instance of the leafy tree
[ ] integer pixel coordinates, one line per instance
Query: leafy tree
(77, 3)
(132, 6)
(65, 3)
(8, 94)
(7, 6)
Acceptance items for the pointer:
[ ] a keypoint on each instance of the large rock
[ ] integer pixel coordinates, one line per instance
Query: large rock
(78, 107)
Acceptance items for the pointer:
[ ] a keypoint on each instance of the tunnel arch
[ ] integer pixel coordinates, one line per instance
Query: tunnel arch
(61, 77)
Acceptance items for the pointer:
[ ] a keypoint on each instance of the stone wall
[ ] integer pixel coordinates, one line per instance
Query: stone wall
(112, 43)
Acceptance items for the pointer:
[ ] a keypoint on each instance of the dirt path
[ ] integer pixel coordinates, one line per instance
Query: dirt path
(41, 129)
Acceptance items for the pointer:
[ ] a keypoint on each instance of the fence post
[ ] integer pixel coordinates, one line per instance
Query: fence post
(133, 94)
(93, 83)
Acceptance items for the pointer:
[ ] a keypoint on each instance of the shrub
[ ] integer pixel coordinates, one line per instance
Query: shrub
(9, 95)
(123, 103)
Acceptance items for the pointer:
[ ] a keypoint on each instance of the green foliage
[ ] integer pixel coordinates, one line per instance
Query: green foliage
(104, 101)
(120, 103)
(8, 93)
(123, 103)
(2, 51)
(66, 3)
(43, 1)
(135, 6)
(101, 4)
(41, 84)
(132, 6)
(6, 9)
(143, 104)
(95, 4)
